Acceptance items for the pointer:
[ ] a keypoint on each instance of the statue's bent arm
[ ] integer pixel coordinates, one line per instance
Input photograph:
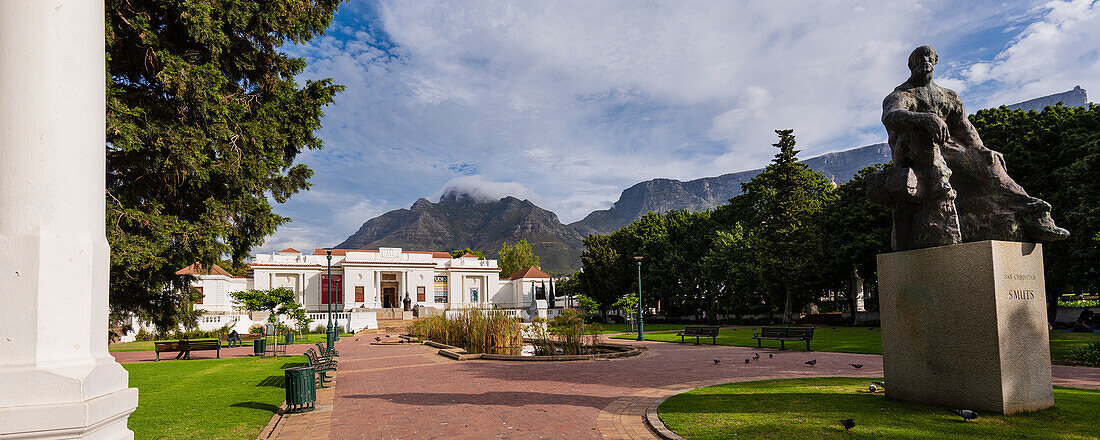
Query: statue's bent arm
(897, 116)
(962, 130)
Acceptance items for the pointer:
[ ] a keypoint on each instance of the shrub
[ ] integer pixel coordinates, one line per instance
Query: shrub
(1088, 355)
(144, 335)
(571, 334)
(476, 330)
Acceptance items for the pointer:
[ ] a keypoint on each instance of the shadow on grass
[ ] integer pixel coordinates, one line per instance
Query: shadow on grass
(272, 381)
(257, 405)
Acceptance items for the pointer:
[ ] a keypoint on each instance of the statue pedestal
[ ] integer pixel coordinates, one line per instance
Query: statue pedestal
(965, 326)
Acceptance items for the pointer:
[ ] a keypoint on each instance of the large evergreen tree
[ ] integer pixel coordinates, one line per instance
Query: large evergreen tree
(514, 258)
(204, 121)
(784, 200)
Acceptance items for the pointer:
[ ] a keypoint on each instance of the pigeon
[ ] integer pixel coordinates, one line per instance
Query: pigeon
(848, 424)
(858, 366)
(966, 414)
(747, 360)
(756, 356)
(769, 355)
(376, 338)
(880, 384)
(387, 336)
(356, 339)
(872, 388)
(869, 329)
(716, 361)
(811, 363)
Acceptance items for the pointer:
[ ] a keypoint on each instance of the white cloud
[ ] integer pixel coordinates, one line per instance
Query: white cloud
(575, 101)
(480, 188)
(1052, 54)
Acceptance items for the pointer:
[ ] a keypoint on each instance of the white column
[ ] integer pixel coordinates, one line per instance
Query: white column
(56, 378)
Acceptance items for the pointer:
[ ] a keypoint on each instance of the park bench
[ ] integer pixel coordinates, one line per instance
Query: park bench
(185, 347)
(783, 334)
(244, 337)
(699, 331)
(321, 365)
(324, 351)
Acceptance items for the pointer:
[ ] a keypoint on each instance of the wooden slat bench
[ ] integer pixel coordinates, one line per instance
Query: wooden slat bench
(699, 331)
(321, 365)
(185, 347)
(783, 334)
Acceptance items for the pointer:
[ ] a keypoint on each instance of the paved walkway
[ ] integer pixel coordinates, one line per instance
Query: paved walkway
(410, 392)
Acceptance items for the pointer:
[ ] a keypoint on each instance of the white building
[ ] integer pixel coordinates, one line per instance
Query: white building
(369, 285)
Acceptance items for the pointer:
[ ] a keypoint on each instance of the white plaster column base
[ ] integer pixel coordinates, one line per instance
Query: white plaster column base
(964, 326)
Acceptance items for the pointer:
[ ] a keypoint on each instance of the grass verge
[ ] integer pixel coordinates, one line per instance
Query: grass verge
(208, 398)
(812, 408)
(865, 340)
(625, 328)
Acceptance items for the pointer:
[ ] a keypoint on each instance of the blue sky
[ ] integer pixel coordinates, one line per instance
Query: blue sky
(567, 103)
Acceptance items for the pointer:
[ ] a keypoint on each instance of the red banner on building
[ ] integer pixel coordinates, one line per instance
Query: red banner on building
(337, 289)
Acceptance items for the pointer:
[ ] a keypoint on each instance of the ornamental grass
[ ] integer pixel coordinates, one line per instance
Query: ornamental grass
(475, 330)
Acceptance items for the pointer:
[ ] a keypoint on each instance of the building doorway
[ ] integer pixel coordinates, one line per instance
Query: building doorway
(389, 295)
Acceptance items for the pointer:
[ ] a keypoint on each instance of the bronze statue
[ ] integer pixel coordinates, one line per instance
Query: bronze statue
(945, 186)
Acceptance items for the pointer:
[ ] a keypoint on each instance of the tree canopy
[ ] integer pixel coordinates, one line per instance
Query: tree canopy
(460, 252)
(514, 258)
(204, 122)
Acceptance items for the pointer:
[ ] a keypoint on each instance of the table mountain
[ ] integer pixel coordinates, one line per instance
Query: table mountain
(663, 195)
(459, 220)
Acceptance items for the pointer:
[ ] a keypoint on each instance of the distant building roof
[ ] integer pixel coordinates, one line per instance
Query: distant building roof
(198, 269)
(290, 250)
(344, 252)
(468, 255)
(530, 272)
(441, 255)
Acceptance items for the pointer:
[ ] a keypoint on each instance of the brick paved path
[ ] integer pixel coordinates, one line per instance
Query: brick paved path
(410, 392)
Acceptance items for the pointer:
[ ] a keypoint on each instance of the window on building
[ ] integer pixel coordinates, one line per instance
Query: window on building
(441, 289)
(199, 296)
(540, 293)
(359, 294)
(420, 294)
(473, 294)
(337, 289)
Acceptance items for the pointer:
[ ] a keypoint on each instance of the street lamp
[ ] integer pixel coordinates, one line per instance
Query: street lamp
(641, 322)
(330, 332)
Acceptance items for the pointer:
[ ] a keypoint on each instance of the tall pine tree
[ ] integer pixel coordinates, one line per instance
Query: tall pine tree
(204, 121)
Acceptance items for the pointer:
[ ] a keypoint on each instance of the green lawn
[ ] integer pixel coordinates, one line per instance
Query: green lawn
(837, 339)
(208, 398)
(625, 328)
(310, 338)
(866, 340)
(812, 408)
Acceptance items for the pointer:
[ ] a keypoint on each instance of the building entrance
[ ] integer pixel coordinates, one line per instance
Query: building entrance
(389, 296)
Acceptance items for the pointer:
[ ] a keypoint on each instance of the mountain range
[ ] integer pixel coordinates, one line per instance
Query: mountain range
(459, 220)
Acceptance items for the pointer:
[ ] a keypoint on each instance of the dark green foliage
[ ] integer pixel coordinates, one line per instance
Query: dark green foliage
(783, 203)
(1055, 155)
(460, 252)
(854, 231)
(1088, 355)
(204, 121)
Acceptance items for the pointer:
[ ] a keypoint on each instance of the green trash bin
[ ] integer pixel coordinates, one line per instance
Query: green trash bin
(300, 392)
(259, 346)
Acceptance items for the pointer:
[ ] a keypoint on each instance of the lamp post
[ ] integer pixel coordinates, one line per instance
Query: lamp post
(330, 331)
(641, 323)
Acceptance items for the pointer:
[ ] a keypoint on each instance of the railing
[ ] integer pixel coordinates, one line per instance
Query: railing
(324, 316)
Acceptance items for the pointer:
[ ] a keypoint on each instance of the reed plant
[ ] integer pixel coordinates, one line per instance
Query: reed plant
(475, 330)
(571, 335)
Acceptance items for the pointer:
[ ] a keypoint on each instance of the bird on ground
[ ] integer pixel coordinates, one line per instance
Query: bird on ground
(756, 356)
(966, 414)
(769, 355)
(811, 363)
(872, 328)
(356, 339)
(880, 384)
(376, 338)
(872, 388)
(387, 336)
(858, 366)
(747, 360)
(848, 424)
(716, 361)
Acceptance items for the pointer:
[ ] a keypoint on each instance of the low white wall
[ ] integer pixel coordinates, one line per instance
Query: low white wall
(361, 319)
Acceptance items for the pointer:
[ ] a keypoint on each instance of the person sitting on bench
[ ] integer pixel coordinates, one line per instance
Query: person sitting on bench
(234, 338)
